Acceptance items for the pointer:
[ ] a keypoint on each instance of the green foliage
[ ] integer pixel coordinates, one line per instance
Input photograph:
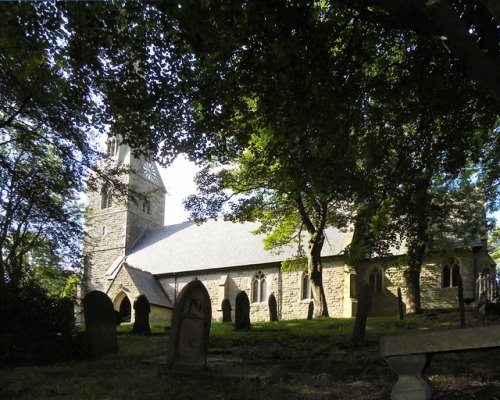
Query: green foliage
(293, 264)
(494, 244)
(36, 327)
(40, 217)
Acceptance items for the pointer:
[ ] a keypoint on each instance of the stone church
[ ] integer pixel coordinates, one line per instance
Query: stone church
(129, 252)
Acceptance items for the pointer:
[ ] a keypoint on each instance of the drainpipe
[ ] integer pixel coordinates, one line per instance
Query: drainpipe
(280, 293)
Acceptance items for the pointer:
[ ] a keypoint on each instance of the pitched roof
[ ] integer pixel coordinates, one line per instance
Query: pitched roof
(147, 285)
(189, 247)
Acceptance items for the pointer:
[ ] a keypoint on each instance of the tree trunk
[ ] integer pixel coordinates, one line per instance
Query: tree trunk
(417, 241)
(358, 249)
(413, 303)
(315, 270)
(364, 301)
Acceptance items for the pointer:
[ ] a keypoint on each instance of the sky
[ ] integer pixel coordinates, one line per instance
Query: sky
(178, 179)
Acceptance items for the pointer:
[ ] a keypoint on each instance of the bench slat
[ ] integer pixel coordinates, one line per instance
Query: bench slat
(441, 341)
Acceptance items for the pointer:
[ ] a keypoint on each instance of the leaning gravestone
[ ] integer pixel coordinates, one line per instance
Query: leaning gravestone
(273, 308)
(226, 310)
(142, 310)
(191, 319)
(242, 312)
(99, 324)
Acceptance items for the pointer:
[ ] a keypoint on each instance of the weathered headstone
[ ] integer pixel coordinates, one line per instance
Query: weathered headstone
(400, 305)
(273, 308)
(142, 310)
(242, 312)
(226, 310)
(310, 310)
(99, 323)
(190, 328)
(65, 316)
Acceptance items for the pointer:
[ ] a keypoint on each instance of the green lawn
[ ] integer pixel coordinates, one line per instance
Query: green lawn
(310, 359)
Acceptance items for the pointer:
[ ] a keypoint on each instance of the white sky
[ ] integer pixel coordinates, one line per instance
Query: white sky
(178, 180)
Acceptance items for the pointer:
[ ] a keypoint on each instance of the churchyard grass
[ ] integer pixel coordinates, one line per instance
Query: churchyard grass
(286, 359)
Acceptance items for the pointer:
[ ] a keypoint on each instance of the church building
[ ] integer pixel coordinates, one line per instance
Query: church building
(129, 252)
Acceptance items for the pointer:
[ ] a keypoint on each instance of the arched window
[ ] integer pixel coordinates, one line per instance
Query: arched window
(259, 288)
(305, 293)
(376, 280)
(451, 272)
(111, 147)
(106, 197)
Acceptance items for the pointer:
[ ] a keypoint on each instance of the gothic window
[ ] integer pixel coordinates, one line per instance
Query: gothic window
(259, 288)
(146, 206)
(106, 197)
(375, 279)
(450, 274)
(305, 293)
(111, 147)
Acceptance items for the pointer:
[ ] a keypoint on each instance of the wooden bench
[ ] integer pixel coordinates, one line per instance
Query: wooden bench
(409, 355)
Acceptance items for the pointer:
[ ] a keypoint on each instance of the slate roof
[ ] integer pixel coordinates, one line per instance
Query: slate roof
(188, 247)
(147, 285)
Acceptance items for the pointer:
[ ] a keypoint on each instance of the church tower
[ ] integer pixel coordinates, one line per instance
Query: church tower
(114, 221)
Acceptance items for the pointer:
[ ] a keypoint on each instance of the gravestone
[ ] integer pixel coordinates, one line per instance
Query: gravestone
(141, 312)
(190, 327)
(310, 310)
(65, 316)
(226, 310)
(99, 324)
(242, 312)
(273, 308)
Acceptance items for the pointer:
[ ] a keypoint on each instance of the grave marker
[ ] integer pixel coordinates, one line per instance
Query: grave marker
(190, 329)
(273, 308)
(99, 323)
(226, 310)
(242, 312)
(142, 310)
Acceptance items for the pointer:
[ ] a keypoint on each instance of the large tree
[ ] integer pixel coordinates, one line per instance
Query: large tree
(294, 199)
(188, 76)
(468, 30)
(39, 206)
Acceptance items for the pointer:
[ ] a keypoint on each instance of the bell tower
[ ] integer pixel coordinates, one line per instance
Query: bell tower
(114, 220)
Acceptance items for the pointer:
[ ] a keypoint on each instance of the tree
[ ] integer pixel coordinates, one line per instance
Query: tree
(39, 203)
(468, 30)
(436, 137)
(189, 77)
(285, 197)
(494, 243)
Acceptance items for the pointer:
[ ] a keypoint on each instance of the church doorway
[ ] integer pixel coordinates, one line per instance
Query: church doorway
(125, 310)
(124, 307)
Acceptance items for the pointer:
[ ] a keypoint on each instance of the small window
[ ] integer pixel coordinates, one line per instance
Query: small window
(111, 147)
(353, 293)
(103, 232)
(450, 274)
(259, 288)
(146, 206)
(375, 279)
(306, 293)
(106, 197)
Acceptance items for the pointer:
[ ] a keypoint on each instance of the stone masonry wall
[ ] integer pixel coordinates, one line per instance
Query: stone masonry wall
(221, 285)
(124, 286)
(290, 305)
